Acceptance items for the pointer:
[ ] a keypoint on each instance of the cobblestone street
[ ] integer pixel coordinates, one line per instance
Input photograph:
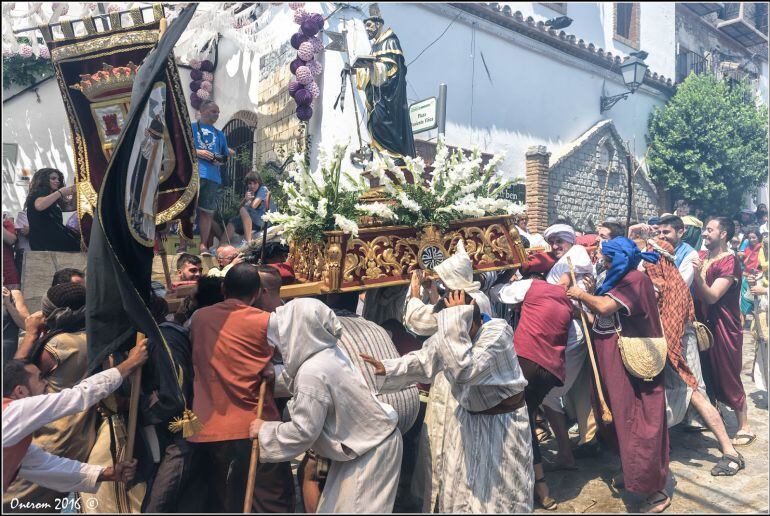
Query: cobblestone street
(693, 455)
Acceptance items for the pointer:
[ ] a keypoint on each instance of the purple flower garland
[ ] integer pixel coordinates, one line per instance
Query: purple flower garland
(202, 83)
(303, 89)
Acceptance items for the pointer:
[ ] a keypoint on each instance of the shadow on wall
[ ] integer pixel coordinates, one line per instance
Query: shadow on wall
(235, 82)
(42, 134)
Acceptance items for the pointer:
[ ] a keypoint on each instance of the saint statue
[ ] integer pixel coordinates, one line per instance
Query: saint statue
(382, 75)
(145, 167)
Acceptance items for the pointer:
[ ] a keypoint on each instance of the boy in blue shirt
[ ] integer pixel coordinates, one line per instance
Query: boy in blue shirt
(211, 147)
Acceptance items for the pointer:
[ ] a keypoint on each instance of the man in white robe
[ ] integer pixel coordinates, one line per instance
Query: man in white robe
(455, 273)
(487, 446)
(332, 411)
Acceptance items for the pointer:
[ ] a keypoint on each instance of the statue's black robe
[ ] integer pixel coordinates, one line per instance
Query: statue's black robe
(389, 125)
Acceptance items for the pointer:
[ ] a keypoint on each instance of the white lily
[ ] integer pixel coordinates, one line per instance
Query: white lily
(345, 224)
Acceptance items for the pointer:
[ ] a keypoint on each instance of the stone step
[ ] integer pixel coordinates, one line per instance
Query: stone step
(39, 267)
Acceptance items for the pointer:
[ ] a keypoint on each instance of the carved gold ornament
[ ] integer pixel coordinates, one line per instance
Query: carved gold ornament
(385, 256)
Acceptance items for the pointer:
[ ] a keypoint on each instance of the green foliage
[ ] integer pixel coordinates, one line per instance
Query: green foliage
(708, 145)
(25, 71)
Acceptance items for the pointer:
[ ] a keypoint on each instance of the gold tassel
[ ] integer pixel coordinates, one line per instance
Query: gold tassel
(188, 424)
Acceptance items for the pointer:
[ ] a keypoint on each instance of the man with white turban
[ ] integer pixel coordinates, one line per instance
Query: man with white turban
(455, 273)
(561, 238)
(332, 411)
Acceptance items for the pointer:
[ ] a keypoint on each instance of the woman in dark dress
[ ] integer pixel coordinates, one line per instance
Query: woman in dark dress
(47, 231)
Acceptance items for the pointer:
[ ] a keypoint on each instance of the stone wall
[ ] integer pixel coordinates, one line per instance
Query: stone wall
(277, 126)
(586, 183)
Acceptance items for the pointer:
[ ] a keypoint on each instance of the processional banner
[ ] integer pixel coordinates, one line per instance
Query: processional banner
(95, 73)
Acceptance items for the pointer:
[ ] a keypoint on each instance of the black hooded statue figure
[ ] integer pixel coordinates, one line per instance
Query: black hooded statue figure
(382, 75)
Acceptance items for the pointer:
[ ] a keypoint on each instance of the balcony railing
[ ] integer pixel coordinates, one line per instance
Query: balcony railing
(687, 62)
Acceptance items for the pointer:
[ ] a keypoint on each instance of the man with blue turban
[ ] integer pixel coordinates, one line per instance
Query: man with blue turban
(625, 303)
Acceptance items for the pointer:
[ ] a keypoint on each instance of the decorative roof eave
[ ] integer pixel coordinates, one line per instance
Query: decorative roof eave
(558, 157)
(567, 43)
(575, 145)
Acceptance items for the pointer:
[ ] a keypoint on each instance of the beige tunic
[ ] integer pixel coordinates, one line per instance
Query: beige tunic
(72, 436)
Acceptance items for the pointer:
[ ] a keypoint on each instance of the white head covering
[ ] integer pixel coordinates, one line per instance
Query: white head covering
(457, 271)
(563, 231)
(581, 262)
(457, 274)
(305, 327)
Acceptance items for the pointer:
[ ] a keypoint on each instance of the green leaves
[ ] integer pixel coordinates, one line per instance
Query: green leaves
(25, 71)
(708, 145)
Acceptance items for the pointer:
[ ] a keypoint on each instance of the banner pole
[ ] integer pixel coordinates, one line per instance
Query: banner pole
(133, 407)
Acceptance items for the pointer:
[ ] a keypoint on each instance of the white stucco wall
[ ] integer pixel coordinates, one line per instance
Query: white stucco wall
(592, 21)
(42, 133)
(537, 95)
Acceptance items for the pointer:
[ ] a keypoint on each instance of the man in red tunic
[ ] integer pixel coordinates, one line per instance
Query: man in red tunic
(626, 302)
(717, 291)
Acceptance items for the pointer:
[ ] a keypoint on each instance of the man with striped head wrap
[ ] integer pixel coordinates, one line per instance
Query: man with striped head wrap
(676, 314)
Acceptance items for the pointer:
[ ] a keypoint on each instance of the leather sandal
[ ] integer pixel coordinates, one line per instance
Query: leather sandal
(660, 503)
(547, 503)
(749, 439)
(725, 468)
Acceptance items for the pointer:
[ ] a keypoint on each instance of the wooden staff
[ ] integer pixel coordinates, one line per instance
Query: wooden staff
(606, 414)
(133, 407)
(254, 454)
(164, 261)
(265, 226)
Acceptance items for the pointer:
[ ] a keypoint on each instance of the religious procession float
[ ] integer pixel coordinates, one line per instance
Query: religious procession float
(343, 240)
(357, 219)
(354, 229)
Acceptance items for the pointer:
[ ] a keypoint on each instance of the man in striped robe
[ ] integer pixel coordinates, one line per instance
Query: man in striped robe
(487, 454)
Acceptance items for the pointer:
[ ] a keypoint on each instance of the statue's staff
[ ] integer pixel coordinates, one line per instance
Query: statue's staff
(352, 86)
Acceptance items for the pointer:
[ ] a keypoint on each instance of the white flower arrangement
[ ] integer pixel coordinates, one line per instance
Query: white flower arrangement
(377, 209)
(327, 199)
(323, 200)
(345, 224)
(458, 187)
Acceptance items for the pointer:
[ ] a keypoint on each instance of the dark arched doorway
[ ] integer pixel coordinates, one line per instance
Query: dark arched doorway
(240, 137)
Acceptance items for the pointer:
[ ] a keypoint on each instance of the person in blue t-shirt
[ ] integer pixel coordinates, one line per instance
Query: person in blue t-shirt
(253, 206)
(211, 147)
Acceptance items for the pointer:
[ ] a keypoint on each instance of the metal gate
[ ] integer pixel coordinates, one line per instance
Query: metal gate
(240, 137)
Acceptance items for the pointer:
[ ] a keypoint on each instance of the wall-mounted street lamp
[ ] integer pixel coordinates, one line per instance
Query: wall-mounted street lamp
(633, 70)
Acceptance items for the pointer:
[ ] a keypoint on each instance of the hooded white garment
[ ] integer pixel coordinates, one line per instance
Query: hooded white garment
(535, 239)
(485, 462)
(333, 412)
(457, 274)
